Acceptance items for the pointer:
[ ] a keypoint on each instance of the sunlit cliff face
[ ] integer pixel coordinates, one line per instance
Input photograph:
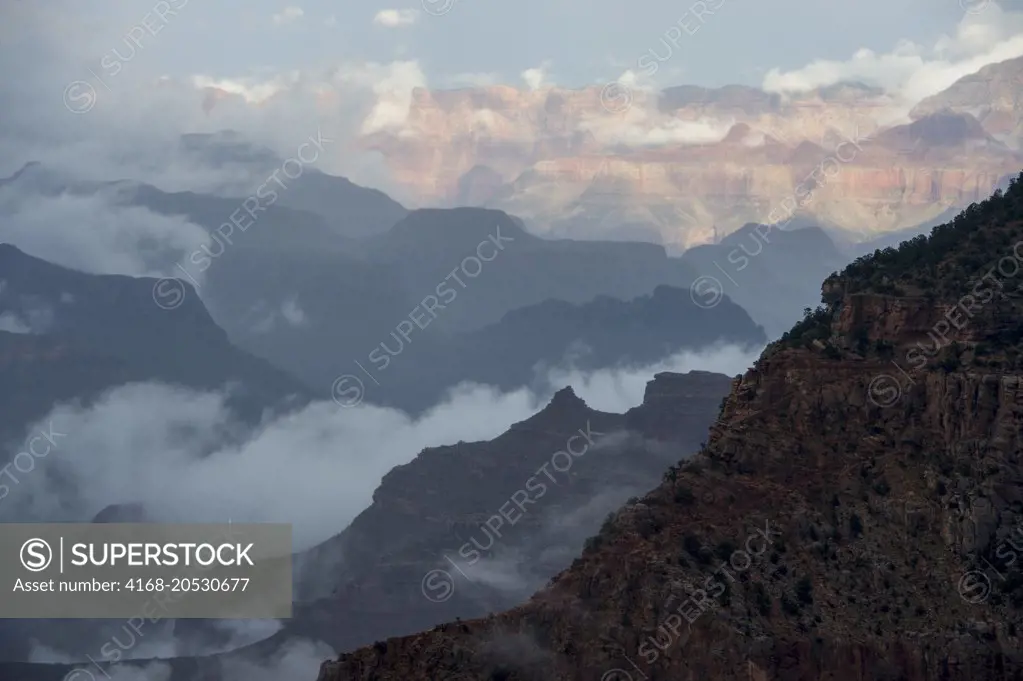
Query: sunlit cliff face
(690, 166)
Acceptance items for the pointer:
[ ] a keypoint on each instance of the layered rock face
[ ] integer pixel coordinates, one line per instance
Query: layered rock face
(690, 163)
(855, 515)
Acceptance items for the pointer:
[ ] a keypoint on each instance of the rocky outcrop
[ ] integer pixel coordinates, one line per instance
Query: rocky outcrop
(853, 516)
(477, 527)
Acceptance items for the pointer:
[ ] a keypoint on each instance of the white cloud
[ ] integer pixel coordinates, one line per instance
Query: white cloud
(392, 85)
(639, 128)
(11, 324)
(538, 77)
(911, 71)
(290, 14)
(126, 135)
(392, 18)
(618, 390)
(292, 313)
(331, 21)
(628, 115)
(30, 315)
(252, 90)
(184, 455)
(94, 233)
(297, 659)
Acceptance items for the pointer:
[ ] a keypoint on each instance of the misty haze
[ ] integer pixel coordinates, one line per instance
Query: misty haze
(554, 340)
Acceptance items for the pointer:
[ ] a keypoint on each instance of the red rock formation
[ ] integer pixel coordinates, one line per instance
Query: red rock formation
(676, 163)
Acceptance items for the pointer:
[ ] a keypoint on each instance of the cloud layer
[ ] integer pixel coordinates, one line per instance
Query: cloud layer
(186, 458)
(912, 71)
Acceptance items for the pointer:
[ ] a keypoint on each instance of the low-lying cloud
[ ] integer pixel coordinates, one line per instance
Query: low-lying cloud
(93, 233)
(186, 458)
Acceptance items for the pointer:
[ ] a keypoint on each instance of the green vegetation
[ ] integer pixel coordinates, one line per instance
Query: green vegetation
(945, 263)
(950, 264)
(815, 325)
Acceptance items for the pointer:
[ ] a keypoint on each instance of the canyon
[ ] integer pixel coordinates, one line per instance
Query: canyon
(862, 506)
(688, 165)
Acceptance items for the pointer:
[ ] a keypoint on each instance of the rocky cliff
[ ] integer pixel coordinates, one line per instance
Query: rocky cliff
(477, 527)
(468, 529)
(855, 514)
(673, 166)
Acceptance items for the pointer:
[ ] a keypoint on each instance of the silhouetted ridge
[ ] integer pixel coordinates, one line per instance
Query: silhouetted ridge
(565, 412)
(566, 398)
(89, 333)
(457, 222)
(947, 258)
(945, 128)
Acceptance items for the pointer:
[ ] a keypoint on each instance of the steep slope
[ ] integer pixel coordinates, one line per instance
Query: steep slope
(392, 570)
(773, 273)
(435, 274)
(602, 334)
(348, 209)
(522, 269)
(71, 335)
(70, 338)
(865, 480)
(423, 552)
(290, 290)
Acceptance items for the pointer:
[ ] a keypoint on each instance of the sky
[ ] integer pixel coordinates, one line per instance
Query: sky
(94, 87)
(130, 72)
(727, 41)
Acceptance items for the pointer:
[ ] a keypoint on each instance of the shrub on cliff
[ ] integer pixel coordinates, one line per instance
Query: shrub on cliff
(815, 325)
(950, 257)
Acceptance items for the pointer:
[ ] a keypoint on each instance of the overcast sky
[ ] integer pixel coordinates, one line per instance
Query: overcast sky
(137, 66)
(579, 41)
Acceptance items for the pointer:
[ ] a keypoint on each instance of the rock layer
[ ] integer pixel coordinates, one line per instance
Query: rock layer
(677, 166)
